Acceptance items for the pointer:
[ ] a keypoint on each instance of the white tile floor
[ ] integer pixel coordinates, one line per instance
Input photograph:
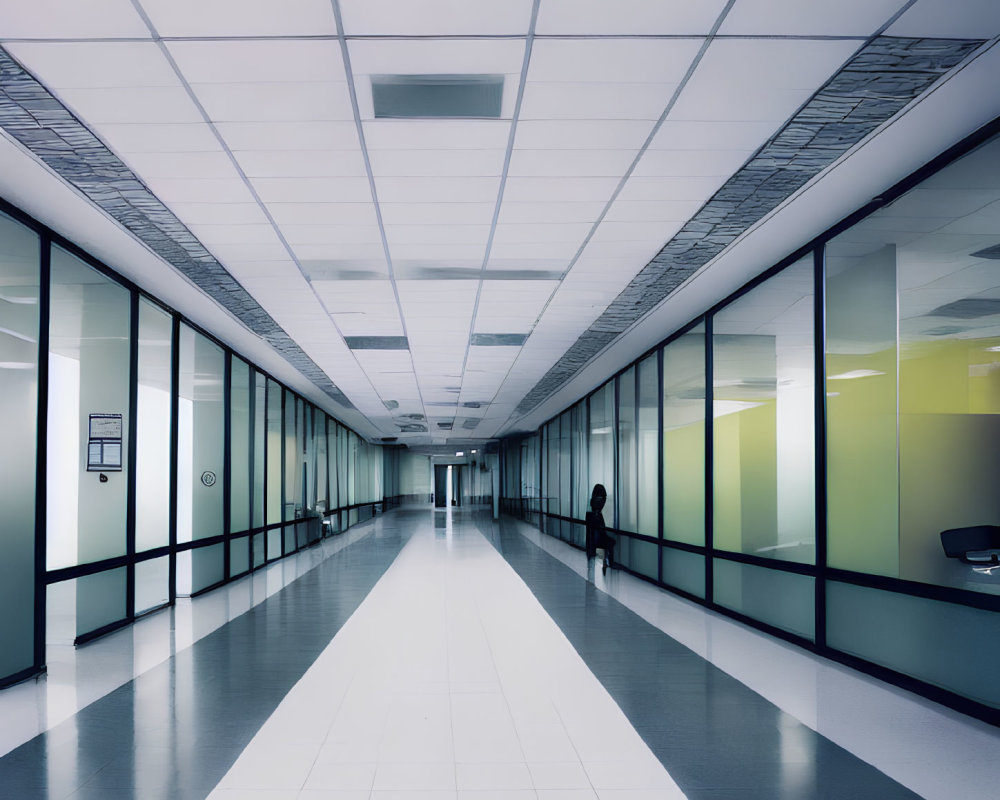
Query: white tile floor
(449, 681)
(938, 753)
(77, 676)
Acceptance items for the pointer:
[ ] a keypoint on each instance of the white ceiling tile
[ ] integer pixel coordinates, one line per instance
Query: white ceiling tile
(628, 16)
(241, 17)
(437, 190)
(437, 234)
(795, 18)
(247, 252)
(345, 296)
(435, 17)
(370, 254)
(297, 235)
(436, 134)
(323, 213)
(614, 101)
(212, 235)
(313, 190)
(535, 264)
(612, 60)
(714, 135)
(688, 188)
(437, 213)
(261, 269)
(275, 102)
(366, 323)
(57, 19)
(195, 213)
(555, 189)
(647, 233)
(584, 134)
(528, 212)
(547, 250)
(570, 163)
(182, 165)
(441, 251)
(259, 61)
(529, 233)
(652, 210)
(138, 105)
(93, 65)
(976, 19)
(436, 57)
(128, 138)
(285, 136)
(200, 190)
(301, 163)
(690, 163)
(759, 79)
(636, 253)
(436, 163)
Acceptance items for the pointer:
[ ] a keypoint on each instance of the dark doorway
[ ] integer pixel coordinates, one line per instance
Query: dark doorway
(456, 484)
(440, 486)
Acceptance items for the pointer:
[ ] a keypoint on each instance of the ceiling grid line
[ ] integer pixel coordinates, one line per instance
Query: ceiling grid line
(529, 41)
(362, 143)
(243, 176)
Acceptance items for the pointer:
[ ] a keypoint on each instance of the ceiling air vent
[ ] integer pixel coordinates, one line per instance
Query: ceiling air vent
(436, 96)
(446, 426)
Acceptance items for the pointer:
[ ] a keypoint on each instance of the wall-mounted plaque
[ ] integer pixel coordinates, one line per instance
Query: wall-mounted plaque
(104, 446)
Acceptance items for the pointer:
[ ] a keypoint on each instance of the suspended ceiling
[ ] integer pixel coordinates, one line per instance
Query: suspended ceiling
(449, 279)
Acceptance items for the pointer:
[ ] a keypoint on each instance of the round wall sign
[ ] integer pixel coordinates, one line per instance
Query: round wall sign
(208, 478)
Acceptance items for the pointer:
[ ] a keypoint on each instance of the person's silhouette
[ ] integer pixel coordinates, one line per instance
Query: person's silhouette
(597, 532)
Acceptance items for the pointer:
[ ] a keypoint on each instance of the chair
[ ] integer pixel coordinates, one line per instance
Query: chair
(978, 545)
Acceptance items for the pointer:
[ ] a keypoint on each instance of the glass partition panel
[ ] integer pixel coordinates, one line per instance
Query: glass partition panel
(152, 447)
(581, 487)
(783, 599)
(201, 442)
(683, 570)
(259, 432)
(19, 324)
(88, 414)
(274, 455)
(684, 439)
(627, 464)
(342, 468)
(648, 449)
(152, 584)
(565, 470)
(322, 464)
(293, 457)
(764, 419)
(241, 471)
(601, 447)
(550, 466)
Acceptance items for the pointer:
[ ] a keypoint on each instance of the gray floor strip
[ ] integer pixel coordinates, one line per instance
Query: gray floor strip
(716, 737)
(186, 721)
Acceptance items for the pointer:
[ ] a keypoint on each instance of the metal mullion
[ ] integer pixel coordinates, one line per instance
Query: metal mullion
(41, 452)
(251, 460)
(282, 467)
(227, 458)
(709, 459)
(615, 472)
(819, 382)
(175, 369)
(660, 455)
(133, 427)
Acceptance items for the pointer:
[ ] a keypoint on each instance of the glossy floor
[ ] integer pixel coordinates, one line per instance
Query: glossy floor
(436, 654)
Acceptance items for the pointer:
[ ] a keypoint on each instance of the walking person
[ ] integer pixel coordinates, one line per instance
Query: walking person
(597, 532)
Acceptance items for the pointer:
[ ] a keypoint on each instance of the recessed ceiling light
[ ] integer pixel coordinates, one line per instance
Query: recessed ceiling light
(437, 96)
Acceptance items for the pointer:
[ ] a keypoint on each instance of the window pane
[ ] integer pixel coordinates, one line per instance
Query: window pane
(627, 515)
(88, 375)
(239, 432)
(601, 447)
(19, 297)
(200, 439)
(913, 378)
(684, 439)
(581, 488)
(259, 428)
(764, 419)
(648, 474)
(322, 465)
(782, 599)
(152, 447)
(565, 440)
(274, 441)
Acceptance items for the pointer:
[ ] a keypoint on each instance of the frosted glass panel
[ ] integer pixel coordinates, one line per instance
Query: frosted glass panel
(648, 449)
(581, 488)
(782, 599)
(601, 447)
(152, 584)
(239, 556)
(18, 402)
(764, 419)
(259, 429)
(638, 555)
(100, 600)
(274, 443)
(239, 447)
(200, 438)
(627, 464)
(152, 447)
(684, 439)
(88, 375)
(684, 570)
(322, 464)
(951, 646)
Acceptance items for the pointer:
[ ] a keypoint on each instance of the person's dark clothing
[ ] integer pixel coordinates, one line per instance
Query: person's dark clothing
(597, 532)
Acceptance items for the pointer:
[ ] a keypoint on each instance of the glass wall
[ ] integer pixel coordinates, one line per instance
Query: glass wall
(240, 463)
(763, 404)
(601, 446)
(19, 329)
